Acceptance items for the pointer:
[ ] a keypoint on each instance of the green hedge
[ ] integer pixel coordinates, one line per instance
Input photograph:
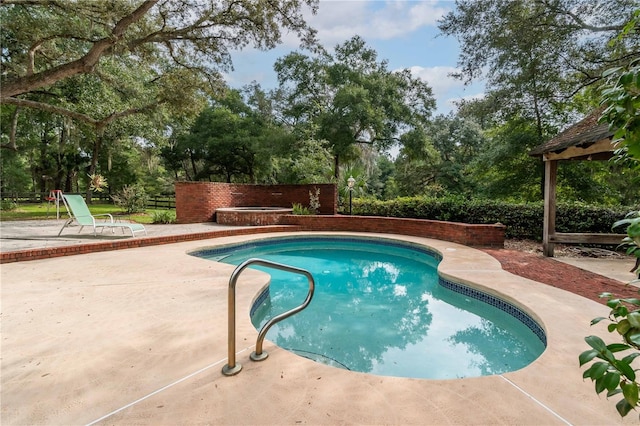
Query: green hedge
(523, 221)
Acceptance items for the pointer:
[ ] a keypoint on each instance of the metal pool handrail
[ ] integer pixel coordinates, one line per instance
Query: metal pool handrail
(232, 367)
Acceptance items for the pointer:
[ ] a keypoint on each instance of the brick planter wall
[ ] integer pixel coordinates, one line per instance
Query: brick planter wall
(225, 216)
(198, 201)
(462, 233)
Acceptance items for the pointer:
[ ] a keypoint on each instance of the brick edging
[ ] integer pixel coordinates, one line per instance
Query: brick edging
(461, 233)
(475, 235)
(50, 252)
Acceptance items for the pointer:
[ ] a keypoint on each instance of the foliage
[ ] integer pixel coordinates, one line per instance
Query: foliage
(44, 45)
(228, 141)
(94, 75)
(314, 204)
(333, 111)
(417, 164)
(307, 161)
(14, 172)
(632, 240)
(503, 168)
(359, 185)
(299, 209)
(350, 97)
(314, 201)
(459, 142)
(97, 182)
(621, 97)
(536, 55)
(382, 182)
(616, 375)
(522, 220)
(8, 205)
(163, 216)
(132, 198)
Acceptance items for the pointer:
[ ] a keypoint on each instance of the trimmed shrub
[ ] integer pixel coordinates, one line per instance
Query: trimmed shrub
(523, 221)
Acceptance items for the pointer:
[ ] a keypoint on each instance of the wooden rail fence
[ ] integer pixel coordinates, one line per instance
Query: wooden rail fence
(154, 202)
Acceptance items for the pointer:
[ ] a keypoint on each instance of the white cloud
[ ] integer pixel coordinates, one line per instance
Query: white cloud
(438, 78)
(337, 21)
(446, 89)
(451, 102)
(236, 79)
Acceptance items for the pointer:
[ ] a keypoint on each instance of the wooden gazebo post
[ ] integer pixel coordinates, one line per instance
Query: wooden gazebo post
(549, 225)
(585, 140)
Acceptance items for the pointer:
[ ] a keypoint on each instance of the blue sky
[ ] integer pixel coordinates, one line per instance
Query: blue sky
(403, 32)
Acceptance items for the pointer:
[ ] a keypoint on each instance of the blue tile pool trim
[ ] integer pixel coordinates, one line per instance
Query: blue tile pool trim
(259, 301)
(499, 303)
(217, 253)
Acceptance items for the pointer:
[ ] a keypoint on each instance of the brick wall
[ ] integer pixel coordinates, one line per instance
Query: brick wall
(197, 201)
(462, 233)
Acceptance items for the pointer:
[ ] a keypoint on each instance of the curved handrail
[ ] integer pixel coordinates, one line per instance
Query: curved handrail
(232, 368)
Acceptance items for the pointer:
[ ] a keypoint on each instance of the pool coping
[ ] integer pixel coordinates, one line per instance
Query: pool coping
(187, 387)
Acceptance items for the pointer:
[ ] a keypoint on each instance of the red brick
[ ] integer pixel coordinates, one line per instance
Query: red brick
(197, 202)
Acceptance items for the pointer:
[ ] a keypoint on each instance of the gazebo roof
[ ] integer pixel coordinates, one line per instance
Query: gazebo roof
(585, 139)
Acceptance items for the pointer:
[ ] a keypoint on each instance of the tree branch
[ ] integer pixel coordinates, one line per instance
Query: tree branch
(82, 65)
(579, 22)
(51, 108)
(99, 125)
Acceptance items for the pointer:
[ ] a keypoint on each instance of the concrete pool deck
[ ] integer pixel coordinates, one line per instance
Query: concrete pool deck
(139, 336)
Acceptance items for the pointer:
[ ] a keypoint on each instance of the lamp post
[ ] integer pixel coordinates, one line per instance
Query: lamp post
(350, 182)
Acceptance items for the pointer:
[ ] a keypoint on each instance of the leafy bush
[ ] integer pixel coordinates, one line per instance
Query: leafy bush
(165, 216)
(300, 209)
(523, 221)
(632, 241)
(610, 373)
(7, 205)
(615, 375)
(132, 199)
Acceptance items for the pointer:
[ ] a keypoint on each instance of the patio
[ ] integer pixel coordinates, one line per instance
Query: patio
(139, 336)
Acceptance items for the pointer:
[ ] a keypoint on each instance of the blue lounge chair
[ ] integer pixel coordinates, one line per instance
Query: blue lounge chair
(79, 212)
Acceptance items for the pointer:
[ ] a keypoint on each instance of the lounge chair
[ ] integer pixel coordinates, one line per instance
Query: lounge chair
(79, 212)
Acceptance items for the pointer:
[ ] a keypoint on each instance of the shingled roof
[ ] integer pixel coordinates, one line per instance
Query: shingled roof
(583, 134)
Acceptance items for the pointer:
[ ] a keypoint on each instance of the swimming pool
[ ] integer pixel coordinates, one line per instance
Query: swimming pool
(381, 308)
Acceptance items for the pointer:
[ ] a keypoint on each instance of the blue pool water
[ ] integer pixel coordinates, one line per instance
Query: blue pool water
(380, 308)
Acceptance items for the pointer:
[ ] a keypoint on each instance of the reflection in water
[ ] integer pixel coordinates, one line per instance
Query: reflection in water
(382, 311)
(353, 319)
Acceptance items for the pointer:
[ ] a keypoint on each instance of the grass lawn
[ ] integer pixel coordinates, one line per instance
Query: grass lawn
(43, 211)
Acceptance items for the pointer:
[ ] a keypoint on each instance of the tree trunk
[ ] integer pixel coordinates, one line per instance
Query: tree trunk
(193, 165)
(68, 183)
(12, 132)
(44, 167)
(60, 156)
(94, 160)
